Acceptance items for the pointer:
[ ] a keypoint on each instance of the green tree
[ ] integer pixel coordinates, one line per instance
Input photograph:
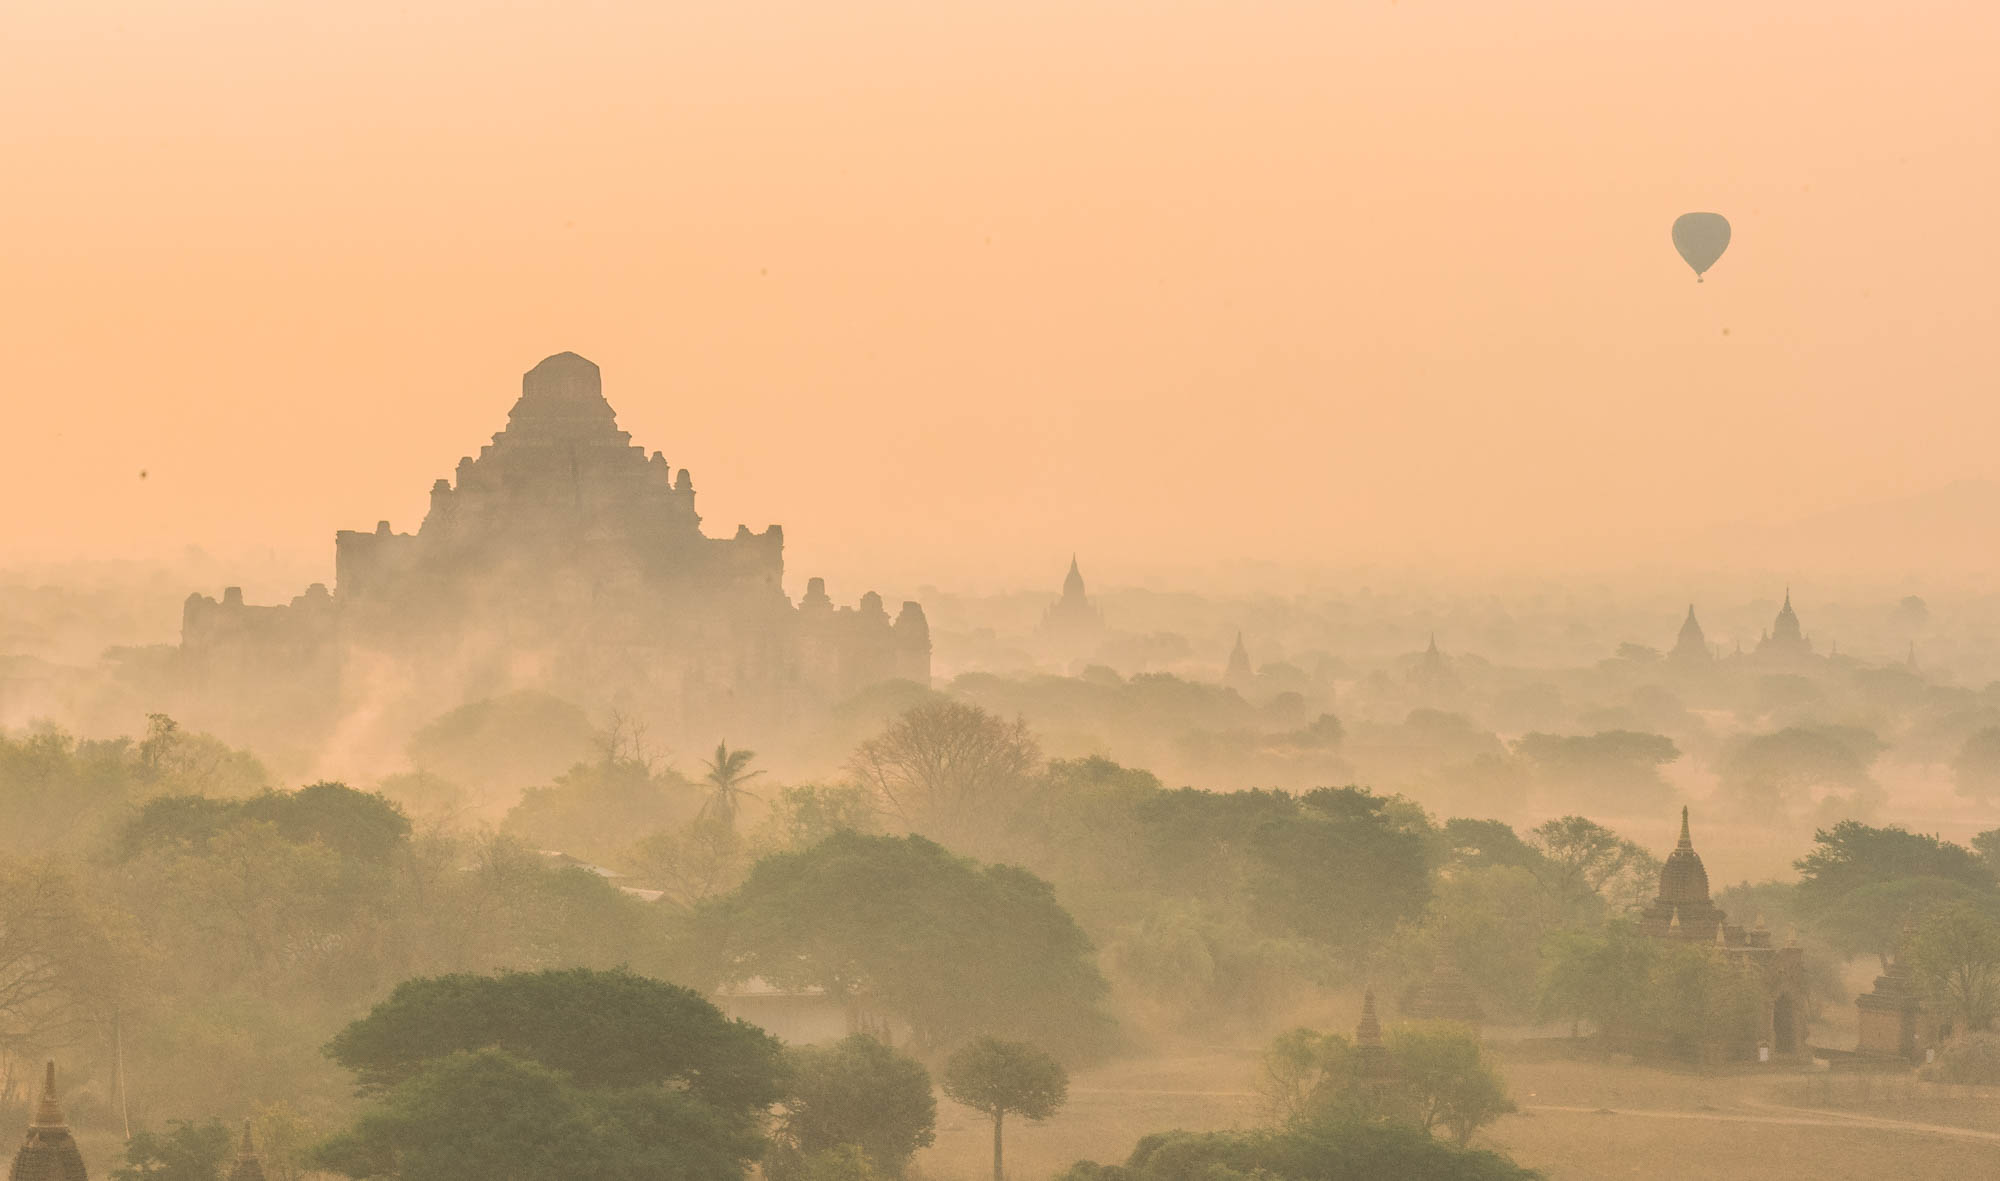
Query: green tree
(845, 1162)
(595, 808)
(283, 1136)
(491, 1116)
(1851, 855)
(1488, 844)
(1444, 1077)
(186, 1151)
(1311, 1152)
(1701, 1004)
(1302, 1072)
(998, 1079)
(857, 1092)
(1432, 1075)
(601, 1029)
(940, 941)
(1342, 868)
(249, 906)
(1955, 956)
(365, 826)
(1598, 976)
(1873, 918)
(1491, 922)
(1587, 867)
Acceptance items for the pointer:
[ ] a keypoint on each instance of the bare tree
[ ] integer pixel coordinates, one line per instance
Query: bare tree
(62, 961)
(944, 769)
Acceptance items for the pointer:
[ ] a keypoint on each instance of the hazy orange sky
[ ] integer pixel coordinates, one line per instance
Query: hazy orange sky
(952, 289)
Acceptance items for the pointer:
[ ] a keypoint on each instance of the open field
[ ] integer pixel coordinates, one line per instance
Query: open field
(1578, 1120)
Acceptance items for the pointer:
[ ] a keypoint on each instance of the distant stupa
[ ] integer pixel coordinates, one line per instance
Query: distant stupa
(1692, 646)
(1786, 637)
(1073, 619)
(1433, 672)
(1239, 674)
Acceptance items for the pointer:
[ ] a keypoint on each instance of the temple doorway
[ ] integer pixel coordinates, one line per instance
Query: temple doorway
(1781, 1025)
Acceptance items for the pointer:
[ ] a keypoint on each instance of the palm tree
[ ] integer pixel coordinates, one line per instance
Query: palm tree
(726, 776)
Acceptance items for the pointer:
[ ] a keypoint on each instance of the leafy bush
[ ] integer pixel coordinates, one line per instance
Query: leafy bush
(1970, 1058)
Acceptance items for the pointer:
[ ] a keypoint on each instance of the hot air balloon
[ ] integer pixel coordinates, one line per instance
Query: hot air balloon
(1701, 238)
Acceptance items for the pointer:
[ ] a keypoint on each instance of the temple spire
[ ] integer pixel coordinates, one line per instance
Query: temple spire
(1369, 1031)
(50, 1114)
(1687, 842)
(1238, 673)
(249, 1166)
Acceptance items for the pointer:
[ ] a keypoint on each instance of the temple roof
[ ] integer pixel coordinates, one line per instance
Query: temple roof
(562, 395)
(1683, 879)
(1785, 629)
(1073, 583)
(1691, 641)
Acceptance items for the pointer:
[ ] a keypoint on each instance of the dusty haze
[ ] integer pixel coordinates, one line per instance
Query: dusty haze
(1172, 285)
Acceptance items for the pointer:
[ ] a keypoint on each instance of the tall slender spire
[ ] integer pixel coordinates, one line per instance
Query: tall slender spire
(1369, 1031)
(1687, 842)
(1691, 645)
(1238, 672)
(249, 1166)
(50, 1114)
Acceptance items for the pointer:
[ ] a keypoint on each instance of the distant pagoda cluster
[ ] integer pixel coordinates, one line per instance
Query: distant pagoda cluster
(563, 558)
(1784, 641)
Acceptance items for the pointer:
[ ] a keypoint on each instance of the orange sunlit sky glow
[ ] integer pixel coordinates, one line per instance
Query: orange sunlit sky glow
(954, 289)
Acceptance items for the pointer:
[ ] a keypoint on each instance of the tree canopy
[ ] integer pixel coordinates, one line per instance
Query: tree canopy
(1317, 1152)
(999, 1078)
(856, 1092)
(1851, 855)
(944, 943)
(599, 1028)
(488, 1115)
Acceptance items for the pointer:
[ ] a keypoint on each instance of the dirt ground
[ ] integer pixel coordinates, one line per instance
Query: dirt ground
(1578, 1120)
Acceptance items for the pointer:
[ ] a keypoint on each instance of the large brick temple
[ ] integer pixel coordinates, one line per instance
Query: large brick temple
(565, 558)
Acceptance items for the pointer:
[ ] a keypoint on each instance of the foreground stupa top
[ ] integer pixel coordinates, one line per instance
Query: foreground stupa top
(49, 1152)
